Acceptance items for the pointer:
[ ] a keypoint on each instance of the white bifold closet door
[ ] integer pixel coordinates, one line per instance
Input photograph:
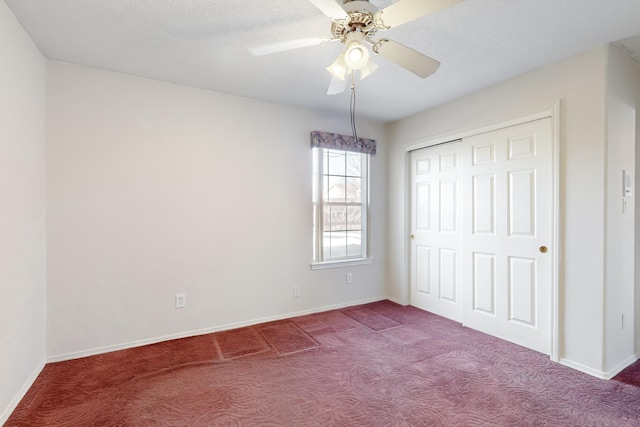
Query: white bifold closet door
(436, 224)
(481, 218)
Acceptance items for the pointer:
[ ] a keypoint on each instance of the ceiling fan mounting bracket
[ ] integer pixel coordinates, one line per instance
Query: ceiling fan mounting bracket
(376, 45)
(379, 22)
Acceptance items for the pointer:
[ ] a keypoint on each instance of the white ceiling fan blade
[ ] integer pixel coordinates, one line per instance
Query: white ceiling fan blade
(407, 58)
(337, 85)
(288, 45)
(404, 11)
(330, 8)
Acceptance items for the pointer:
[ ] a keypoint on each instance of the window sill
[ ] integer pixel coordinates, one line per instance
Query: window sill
(341, 263)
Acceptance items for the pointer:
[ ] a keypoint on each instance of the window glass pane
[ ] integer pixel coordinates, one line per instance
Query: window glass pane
(335, 218)
(335, 190)
(314, 193)
(354, 218)
(326, 244)
(315, 255)
(354, 189)
(337, 244)
(354, 164)
(326, 218)
(325, 162)
(336, 162)
(354, 243)
(325, 187)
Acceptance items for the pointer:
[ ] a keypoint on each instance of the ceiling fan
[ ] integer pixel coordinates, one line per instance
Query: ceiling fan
(355, 23)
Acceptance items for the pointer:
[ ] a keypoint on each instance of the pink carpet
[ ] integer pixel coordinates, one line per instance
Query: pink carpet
(374, 365)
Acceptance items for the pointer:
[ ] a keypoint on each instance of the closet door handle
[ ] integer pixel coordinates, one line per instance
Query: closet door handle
(543, 249)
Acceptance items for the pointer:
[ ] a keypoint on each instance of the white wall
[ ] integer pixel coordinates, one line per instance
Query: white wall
(22, 208)
(579, 81)
(155, 189)
(623, 99)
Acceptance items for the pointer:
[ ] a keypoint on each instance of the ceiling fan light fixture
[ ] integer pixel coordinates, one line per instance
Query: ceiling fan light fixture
(368, 69)
(339, 68)
(356, 55)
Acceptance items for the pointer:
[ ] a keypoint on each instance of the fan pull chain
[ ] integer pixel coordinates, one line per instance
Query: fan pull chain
(352, 108)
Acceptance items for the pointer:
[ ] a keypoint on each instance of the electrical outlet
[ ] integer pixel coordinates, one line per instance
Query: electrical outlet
(349, 278)
(181, 300)
(296, 292)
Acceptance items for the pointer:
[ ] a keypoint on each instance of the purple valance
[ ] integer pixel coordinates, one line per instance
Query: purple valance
(342, 142)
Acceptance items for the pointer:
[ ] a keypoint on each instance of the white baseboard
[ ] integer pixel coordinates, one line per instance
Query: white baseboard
(397, 301)
(597, 373)
(6, 413)
(140, 343)
(620, 366)
(583, 368)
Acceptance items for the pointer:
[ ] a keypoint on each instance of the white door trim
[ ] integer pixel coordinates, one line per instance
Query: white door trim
(554, 114)
(555, 234)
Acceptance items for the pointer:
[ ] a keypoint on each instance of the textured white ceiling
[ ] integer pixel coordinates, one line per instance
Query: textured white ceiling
(205, 43)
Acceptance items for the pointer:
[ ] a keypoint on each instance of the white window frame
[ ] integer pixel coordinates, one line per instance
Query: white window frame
(319, 260)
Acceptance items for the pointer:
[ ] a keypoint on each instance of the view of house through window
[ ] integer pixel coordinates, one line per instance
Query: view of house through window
(340, 204)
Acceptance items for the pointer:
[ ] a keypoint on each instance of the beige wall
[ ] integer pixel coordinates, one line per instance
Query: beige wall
(155, 189)
(623, 99)
(579, 82)
(22, 208)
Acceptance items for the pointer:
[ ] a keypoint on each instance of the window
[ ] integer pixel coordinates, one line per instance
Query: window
(340, 195)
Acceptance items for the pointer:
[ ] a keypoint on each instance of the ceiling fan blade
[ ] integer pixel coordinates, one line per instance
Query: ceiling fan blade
(288, 45)
(406, 57)
(330, 8)
(404, 11)
(336, 86)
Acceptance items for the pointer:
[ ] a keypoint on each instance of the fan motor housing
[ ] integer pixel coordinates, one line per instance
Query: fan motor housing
(361, 18)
